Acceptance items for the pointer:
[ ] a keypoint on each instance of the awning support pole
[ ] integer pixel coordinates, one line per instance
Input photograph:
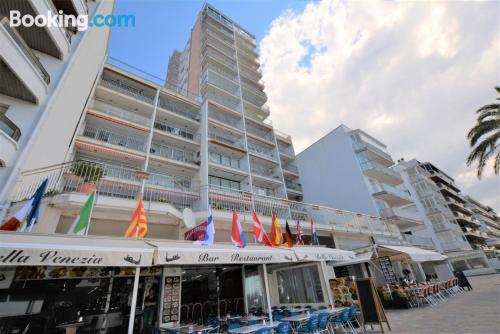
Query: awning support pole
(268, 297)
(327, 283)
(134, 301)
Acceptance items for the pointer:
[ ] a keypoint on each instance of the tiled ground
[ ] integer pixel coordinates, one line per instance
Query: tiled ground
(477, 312)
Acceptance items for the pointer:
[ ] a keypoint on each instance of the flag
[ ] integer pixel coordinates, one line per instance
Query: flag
(138, 226)
(210, 233)
(299, 238)
(288, 235)
(29, 214)
(259, 232)
(276, 231)
(237, 235)
(82, 221)
(314, 235)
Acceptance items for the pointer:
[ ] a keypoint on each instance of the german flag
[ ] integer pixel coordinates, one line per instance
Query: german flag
(138, 226)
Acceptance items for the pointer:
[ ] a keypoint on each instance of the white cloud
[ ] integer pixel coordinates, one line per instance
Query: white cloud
(409, 73)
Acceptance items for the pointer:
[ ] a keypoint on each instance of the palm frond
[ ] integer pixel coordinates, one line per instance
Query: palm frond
(488, 107)
(496, 165)
(480, 129)
(482, 152)
(490, 113)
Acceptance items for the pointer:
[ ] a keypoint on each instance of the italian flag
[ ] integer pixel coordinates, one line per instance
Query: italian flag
(81, 221)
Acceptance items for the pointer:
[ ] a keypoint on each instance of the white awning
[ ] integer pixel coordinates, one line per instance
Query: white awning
(30, 249)
(360, 258)
(185, 252)
(415, 254)
(315, 253)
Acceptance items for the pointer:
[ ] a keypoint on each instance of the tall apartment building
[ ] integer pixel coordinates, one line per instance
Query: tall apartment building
(448, 220)
(351, 171)
(190, 151)
(46, 76)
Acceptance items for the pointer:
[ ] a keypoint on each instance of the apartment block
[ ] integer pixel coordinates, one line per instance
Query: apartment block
(351, 171)
(448, 219)
(47, 74)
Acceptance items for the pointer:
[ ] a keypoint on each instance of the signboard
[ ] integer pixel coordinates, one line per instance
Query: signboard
(372, 310)
(196, 233)
(171, 294)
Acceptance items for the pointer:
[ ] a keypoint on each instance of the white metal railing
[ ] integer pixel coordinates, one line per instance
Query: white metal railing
(120, 112)
(176, 108)
(113, 138)
(172, 153)
(381, 187)
(252, 147)
(419, 241)
(176, 131)
(108, 181)
(124, 88)
(226, 139)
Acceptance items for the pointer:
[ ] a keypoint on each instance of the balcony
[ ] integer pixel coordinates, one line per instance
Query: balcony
(227, 141)
(266, 173)
(372, 152)
(225, 166)
(445, 226)
(418, 241)
(438, 176)
(456, 205)
(260, 133)
(110, 181)
(222, 71)
(291, 169)
(111, 137)
(293, 186)
(466, 220)
(286, 151)
(475, 234)
(220, 82)
(173, 153)
(253, 95)
(227, 49)
(450, 191)
(124, 88)
(9, 135)
(224, 118)
(283, 137)
(189, 114)
(121, 113)
(23, 76)
(9, 128)
(218, 59)
(494, 243)
(391, 195)
(176, 131)
(455, 246)
(381, 173)
(261, 151)
(404, 218)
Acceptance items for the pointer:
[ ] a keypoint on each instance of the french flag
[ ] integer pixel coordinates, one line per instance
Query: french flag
(237, 235)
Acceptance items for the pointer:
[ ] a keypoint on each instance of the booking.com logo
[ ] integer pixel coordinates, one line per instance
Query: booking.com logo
(80, 22)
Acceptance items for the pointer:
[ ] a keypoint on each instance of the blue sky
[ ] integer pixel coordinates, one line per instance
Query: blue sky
(163, 25)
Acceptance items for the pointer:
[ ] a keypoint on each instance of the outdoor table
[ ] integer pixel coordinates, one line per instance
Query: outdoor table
(329, 310)
(229, 318)
(185, 329)
(252, 317)
(71, 327)
(253, 328)
(297, 318)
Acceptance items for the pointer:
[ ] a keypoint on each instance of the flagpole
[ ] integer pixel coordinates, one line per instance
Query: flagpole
(87, 228)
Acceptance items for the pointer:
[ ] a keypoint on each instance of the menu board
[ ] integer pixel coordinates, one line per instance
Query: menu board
(386, 267)
(171, 295)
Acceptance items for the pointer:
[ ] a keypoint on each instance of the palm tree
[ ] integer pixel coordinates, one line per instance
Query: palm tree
(484, 148)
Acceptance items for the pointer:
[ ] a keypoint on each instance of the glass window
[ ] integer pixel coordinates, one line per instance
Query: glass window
(300, 285)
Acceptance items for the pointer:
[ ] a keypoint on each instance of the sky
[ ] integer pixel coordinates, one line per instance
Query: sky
(409, 73)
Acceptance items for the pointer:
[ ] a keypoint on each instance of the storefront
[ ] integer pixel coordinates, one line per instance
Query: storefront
(112, 285)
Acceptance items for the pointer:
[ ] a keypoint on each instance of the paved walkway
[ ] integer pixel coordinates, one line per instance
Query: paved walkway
(477, 311)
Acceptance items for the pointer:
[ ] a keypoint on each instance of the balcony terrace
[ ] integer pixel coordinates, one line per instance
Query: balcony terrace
(114, 138)
(120, 113)
(261, 151)
(391, 195)
(374, 153)
(381, 173)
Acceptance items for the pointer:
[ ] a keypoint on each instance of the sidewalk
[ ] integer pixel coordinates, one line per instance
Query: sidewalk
(477, 312)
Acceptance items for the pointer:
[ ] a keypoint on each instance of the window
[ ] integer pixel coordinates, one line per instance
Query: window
(220, 182)
(300, 285)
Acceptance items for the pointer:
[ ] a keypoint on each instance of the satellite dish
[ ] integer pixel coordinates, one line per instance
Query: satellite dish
(188, 218)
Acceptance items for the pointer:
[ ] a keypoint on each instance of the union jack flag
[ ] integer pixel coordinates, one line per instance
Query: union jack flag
(299, 238)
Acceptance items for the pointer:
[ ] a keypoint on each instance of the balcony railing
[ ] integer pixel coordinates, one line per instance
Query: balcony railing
(455, 245)
(113, 138)
(177, 109)
(264, 171)
(362, 145)
(172, 153)
(224, 160)
(445, 226)
(109, 181)
(231, 121)
(121, 113)
(220, 82)
(261, 151)
(126, 89)
(226, 139)
(176, 131)
(10, 129)
(293, 185)
(382, 187)
(419, 241)
(26, 50)
(372, 166)
(264, 134)
(286, 150)
(291, 168)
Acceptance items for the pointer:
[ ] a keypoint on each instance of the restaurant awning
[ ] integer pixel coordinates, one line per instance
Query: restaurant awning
(315, 253)
(30, 249)
(414, 253)
(360, 258)
(180, 252)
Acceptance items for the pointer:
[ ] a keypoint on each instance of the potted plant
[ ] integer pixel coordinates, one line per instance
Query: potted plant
(91, 174)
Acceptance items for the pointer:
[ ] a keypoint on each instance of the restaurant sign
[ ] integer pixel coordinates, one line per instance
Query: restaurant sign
(65, 257)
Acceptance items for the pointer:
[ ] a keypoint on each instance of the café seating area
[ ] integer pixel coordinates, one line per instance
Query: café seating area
(285, 320)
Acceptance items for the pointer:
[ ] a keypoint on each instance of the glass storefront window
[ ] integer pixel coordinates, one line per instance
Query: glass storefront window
(300, 285)
(254, 289)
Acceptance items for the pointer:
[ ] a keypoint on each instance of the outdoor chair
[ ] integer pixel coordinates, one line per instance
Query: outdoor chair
(215, 324)
(283, 328)
(322, 307)
(323, 323)
(311, 326)
(353, 316)
(342, 321)
(264, 331)
(278, 317)
(233, 325)
(252, 322)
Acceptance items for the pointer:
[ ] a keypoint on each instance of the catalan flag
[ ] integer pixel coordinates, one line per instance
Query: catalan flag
(138, 226)
(276, 231)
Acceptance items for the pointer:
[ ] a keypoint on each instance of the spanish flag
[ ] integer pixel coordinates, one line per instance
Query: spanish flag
(138, 226)
(276, 231)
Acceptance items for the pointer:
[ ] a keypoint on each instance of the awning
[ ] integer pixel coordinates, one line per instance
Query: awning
(360, 258)
(315, 253)
(415, 254)
(30, 249)
(179, 252)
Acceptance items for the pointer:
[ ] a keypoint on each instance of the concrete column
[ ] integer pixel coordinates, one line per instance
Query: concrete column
(49, 220)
